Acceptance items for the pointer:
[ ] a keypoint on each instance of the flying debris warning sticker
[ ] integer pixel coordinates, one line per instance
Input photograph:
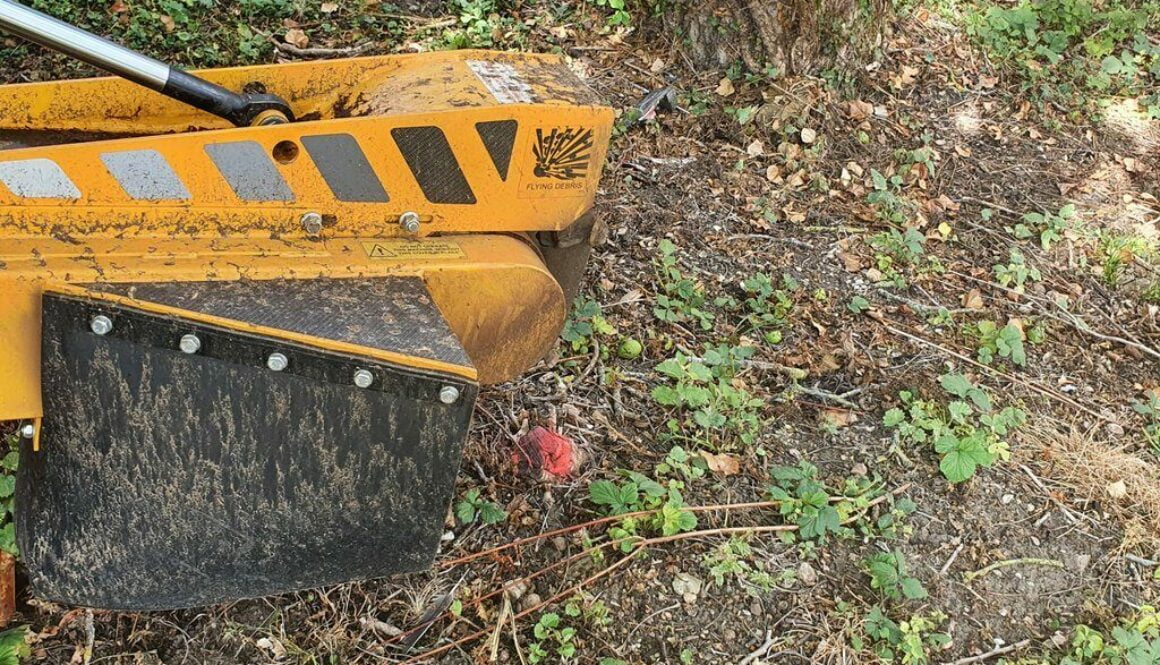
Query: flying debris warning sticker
(563, 163)
(413, 250)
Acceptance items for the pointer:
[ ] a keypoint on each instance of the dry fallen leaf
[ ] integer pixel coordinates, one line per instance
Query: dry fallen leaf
(973, 299)
(167, 23)
(296, 37)
(725, 87)
(1118, 489)
(755, 149)
(725, 465)
(773, 173)
(839, 417)
(859, 110)
(329, 7)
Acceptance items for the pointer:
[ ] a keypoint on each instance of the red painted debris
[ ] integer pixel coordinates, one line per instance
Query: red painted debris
(544, 452)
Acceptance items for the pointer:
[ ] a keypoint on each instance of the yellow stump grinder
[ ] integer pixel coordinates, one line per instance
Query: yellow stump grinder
(245, 313)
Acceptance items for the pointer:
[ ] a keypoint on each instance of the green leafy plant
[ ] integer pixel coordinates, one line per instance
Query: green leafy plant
(733, 559)
(886, 199)
(1135, 641)
(1150, 409)
(707, 398)
(1117, 251)
(585, 325)
(895, 249)
(910, 642)
(1005, 342)
(681, 298)
(679, 462)
(1066, 51)
(13, 647)
(966, 432)
(639, 493)
(766, 308)
(1050, 227)
(553, 638)
(473, 506)
(888, 574)
(618, 11)
(1017, 273)
(8, 465)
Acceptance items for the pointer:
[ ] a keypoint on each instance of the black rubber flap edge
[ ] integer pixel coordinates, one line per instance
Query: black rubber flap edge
(169, 480)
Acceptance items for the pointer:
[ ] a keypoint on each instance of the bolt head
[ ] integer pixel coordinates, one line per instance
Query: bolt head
(277, 362)
(409, 221)
(312, 223)
(101, 324)
(189, 344)
(363, 378)
(449, 395)
(28, 431)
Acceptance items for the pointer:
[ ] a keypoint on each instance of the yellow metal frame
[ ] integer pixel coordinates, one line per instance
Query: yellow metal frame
(489, 283)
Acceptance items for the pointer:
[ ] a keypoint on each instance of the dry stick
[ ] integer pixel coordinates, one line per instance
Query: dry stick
(1072, 320)
(971, 576)
(1047, 392)
(642, 544)
(997, 651)
(604, 520)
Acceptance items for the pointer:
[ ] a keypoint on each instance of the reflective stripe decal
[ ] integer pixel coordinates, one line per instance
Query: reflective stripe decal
(433, 164)
(499, 137)
(345, 168)
(145, 175)
(37, 179)
(503, 81)
(249, 171)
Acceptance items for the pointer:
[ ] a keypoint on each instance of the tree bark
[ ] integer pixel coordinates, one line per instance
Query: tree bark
(793, 36)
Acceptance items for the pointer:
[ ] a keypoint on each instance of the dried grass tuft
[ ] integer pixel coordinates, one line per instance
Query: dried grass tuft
(1126, 486)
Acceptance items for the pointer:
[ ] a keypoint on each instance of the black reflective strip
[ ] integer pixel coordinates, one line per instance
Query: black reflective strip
(433, 164)
(499, 137)
(345, 168)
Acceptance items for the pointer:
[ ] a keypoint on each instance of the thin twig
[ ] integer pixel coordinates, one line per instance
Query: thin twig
(997, 651)
(968, 577)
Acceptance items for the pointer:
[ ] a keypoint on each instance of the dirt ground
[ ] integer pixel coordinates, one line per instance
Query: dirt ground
(1070, 518)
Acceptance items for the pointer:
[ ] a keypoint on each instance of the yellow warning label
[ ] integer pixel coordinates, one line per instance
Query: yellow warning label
(434, 248)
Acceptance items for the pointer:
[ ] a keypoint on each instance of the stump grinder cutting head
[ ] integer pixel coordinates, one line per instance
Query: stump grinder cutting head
(246, 319)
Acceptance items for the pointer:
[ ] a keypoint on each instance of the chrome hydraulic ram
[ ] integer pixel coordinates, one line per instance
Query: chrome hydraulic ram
(243, 109)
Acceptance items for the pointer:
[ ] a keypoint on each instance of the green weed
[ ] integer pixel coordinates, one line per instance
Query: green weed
(966, 432)
(708, 400)
(993, 341)
(889, 576)
(1048, 226)
(681, 299)
(911, 642)
(555, 642)
(473, 506)
(1016, 274)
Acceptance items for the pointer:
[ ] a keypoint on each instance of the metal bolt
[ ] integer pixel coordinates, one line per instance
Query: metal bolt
(409, 221)
(312, 223)
(277, 362)
(363, 378)
(28, 431)
(449, 395)
(189, 344)
(101, 324)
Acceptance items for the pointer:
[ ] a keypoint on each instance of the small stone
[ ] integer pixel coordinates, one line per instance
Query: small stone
(529, 601)
(560, 543)
(1114, 429)
(1007, 498)
(859, 469)
(809, 135)
(517, 590)
(1081, 562)
(807, 574)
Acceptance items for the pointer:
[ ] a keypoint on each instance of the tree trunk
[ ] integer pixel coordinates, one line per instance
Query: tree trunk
(793, 36)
